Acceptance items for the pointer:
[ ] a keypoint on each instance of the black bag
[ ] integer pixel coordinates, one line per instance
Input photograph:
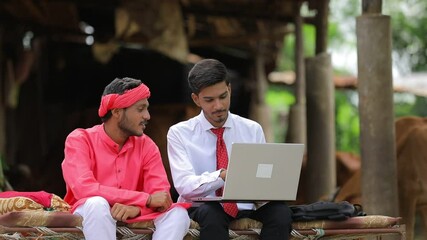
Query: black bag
(323, 210)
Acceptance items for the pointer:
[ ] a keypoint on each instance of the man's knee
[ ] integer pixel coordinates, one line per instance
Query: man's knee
(181, 214)
(278, 212)
(97, 220)
(282, 210)
(97, 202)
(211, 214)
(97, 207)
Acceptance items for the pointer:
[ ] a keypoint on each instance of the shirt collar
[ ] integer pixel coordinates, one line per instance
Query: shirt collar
(107, 140)
(206, 125)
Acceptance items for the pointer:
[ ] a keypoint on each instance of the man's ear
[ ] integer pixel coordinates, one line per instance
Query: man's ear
(196, 99)
(116, 112)
(229, 89)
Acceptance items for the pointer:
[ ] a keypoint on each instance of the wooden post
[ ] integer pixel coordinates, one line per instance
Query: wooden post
(259, 111)
(321, 24)
(377, 134)
(297, 129)
(321, 163)
(2, 114)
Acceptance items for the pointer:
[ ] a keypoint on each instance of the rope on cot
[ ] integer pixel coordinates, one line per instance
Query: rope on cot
(319, 233)
(45, 230)
(244, 237)
(137, 237)
(232, 234)
(129, 235)
(257, 230)
(194, 232)
(11, 237)
(125, 231)
(70, 236)
(50, 233)
(296, 234)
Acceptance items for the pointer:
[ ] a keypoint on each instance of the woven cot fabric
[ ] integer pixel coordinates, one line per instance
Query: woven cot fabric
(41, 197)
(222, 162)
(13, 201)
(15, 204)
(58, 204)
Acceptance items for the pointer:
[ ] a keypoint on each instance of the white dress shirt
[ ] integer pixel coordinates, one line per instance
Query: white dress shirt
(191, 149)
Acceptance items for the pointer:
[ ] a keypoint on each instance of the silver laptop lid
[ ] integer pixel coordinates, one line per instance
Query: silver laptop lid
(266, 171)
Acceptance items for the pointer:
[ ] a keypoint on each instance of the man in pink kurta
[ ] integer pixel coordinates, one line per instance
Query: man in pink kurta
(113, 172)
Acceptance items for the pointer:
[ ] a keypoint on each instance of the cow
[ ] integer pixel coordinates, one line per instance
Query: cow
(411, 156)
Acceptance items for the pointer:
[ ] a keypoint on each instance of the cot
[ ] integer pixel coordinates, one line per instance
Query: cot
(41, 224)
(42, 215)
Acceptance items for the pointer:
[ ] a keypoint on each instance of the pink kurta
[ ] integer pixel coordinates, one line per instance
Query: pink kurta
(94, 166)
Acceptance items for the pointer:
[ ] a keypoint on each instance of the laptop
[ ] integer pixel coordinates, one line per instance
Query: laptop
(261, 172)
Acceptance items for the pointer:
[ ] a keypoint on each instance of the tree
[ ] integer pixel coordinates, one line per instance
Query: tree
(409, 34)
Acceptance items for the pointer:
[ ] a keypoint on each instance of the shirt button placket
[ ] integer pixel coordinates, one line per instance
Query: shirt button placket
(118, 173)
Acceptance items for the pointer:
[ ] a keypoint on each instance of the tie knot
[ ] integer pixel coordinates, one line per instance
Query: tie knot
(218, 131)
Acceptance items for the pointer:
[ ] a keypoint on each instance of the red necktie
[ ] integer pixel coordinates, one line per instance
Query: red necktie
(222, 162)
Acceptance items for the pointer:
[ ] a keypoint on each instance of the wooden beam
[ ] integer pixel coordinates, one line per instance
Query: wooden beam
(238, 13)
(208, 41)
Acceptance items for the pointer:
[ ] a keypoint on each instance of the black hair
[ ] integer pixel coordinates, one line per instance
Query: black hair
(205, 73)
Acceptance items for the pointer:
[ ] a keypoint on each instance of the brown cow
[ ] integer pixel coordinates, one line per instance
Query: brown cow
(411, 155)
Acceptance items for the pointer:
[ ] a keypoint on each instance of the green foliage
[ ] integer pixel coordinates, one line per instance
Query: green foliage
(409, 30)
(406, 104)
(279, 99)
(347, 115)
(409, 33)
(287, 59)
(409, 38)
(342, 23)
(309, 33)
(347, 122)
(334, 35)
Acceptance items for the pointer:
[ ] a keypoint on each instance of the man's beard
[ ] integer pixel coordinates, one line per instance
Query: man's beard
(124, 126)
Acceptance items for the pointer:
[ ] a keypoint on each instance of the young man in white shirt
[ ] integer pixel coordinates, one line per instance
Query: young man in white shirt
(193, 161)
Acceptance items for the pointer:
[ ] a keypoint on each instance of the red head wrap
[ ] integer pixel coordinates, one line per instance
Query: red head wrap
(127, 99)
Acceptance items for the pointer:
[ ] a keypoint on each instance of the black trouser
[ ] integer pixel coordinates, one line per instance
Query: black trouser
(275, 217)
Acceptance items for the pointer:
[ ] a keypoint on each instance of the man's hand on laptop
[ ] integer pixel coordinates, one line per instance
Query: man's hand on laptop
(223, 173)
